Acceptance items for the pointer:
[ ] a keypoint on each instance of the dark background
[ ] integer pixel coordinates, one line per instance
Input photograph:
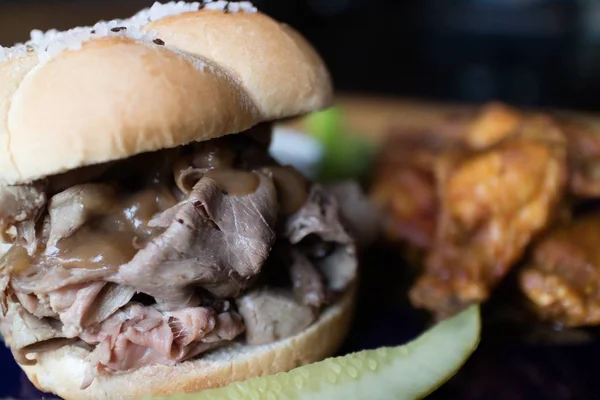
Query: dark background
(526, 52)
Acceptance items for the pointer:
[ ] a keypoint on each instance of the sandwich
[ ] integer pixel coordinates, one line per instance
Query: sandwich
(153, 246)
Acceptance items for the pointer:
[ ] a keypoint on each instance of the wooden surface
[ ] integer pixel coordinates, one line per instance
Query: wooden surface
(374, 116)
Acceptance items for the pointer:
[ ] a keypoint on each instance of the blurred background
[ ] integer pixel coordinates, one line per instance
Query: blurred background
(526, 52)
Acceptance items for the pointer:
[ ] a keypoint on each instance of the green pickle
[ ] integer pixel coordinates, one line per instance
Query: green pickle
(411, 371)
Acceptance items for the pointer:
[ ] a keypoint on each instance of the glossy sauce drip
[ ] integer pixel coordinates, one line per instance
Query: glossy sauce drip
(105, 241)
(112, 234)
(185, 175)
(136, 210)
(210, 155)
(114, 239)
(292, 189)
(190, 168)
(15, 260)
(234, 182)
(95, 249)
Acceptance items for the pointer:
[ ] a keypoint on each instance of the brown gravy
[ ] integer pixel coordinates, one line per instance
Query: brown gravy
(136, 210)
(292, 189)
(106, 241)
(15, 260)
(234, 182)
(92, 249)
(112, 235)
(210, 155)
(113, 239)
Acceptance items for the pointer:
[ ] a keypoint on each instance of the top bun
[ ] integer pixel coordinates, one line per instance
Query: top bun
(170, 75)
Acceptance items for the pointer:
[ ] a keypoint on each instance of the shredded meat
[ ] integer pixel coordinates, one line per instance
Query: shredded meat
(307, 282)
(82, 305)
(24, 329)
(20, 208)
(212, 240)
(136, 336)
(37, 305)
(361, 218)
(319, 232)
(142, 261)
(271, 315)
(71, 209)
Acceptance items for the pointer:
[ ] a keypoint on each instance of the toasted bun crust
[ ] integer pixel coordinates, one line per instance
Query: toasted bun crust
(61, 371)
(217, 73)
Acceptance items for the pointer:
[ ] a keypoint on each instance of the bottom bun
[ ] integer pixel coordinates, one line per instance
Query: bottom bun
(61, 371)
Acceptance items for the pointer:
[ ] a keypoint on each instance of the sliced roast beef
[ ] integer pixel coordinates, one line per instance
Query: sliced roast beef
(80, 306)
(91, 232)
(141, 335)
(212, 239)
(24, 329)
(362, 219)
(38, 305)
(72, 303)
(186, 232)
(319, 232)
(4, 281)
(51, 277)
(188, 169)
(110, 299)
(20, 206)
(191, 324)
(71, 209)
(306, 280)
(229, 326)
(273, 314)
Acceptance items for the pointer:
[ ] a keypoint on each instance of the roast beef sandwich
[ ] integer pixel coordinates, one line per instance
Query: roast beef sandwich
(153, 246)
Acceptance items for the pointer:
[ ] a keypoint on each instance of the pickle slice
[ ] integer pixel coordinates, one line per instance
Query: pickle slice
(411, 371)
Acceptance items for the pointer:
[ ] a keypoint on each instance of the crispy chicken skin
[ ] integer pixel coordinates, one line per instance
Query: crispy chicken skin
(410, 196)
(494, 123)
(472, 195)
(405, 188)
(562, 278)
(404, 184)
(584, 159)
(492, 203)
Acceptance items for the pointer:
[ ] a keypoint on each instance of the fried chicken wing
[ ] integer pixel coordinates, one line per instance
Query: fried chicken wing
(409, 195)
(584, 159)
(404, 182)
(497, 121)
(562, 278)
(472, 194)
(492, 203)
(494, 123)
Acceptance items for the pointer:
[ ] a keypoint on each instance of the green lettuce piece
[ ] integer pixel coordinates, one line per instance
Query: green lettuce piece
(347, 155)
